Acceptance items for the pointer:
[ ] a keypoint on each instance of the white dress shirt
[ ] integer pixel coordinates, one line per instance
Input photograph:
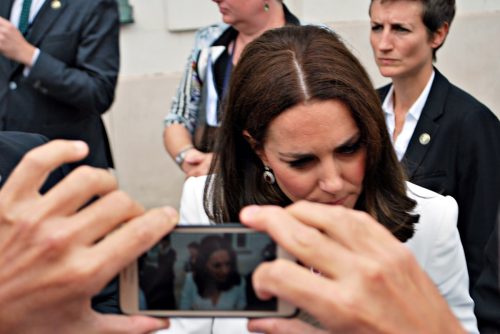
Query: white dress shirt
(411, 120)
(17, 7)
(15, 14)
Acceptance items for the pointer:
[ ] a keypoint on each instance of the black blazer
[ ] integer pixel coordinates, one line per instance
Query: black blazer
(486, 292)
(462, 159)
(73, 81)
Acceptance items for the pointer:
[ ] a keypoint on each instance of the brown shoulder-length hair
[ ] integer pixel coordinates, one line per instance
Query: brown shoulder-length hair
(283, 68)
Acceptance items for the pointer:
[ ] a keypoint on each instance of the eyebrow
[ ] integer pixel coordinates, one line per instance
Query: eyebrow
(300, 155)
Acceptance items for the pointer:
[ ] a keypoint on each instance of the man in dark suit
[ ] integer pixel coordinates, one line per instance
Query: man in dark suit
(59, 62)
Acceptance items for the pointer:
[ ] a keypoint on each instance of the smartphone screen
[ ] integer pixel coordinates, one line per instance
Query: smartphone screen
(204, 271)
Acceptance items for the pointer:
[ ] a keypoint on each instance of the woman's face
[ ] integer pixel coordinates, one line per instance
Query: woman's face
(236, 12)
(316, 154)
(399, 39)
(219, 265)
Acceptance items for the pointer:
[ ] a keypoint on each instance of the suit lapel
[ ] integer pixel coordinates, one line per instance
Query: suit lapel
(6, 65)
(43, 21)
(427, 125)
(6, 8)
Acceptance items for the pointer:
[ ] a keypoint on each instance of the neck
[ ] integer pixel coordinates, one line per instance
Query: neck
(248, 31)
(407, 89)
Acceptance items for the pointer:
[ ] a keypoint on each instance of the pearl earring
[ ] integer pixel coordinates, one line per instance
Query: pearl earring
(266, 7)
(268, 175)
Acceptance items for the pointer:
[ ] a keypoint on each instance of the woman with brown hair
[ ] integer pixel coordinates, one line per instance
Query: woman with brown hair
(306, 124)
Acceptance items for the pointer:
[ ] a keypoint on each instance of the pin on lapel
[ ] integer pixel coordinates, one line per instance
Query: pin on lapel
(55, 4)
(424, 138)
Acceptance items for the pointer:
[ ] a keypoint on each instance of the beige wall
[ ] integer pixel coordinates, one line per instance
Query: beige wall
(154, 50)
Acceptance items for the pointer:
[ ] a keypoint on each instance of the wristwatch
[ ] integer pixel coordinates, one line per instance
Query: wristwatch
(181, 156)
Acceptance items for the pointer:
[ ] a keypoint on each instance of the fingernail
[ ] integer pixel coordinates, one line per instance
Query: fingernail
(80, 146)
(171, 212)
(249, 212)
(162, 323)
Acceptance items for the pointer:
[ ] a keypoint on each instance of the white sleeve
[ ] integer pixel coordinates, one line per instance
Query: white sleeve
(447, 266)
(191, 209)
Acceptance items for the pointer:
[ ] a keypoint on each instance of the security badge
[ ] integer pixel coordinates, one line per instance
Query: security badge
(55, 4)
(424, 138)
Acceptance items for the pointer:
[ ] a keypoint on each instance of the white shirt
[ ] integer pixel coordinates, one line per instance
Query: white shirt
(436, 246)
(15, 14)
(411, 120)
(17, 7)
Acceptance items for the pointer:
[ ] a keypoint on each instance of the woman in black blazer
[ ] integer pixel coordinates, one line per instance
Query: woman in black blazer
(447, 140)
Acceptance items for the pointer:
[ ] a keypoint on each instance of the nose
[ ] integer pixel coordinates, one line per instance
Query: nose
(385, 40)
(331, 180)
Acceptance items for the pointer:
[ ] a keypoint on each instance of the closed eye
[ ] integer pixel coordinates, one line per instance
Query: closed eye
(300, 163)
(350, 148)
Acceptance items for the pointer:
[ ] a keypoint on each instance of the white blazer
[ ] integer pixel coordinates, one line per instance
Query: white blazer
(436, 246)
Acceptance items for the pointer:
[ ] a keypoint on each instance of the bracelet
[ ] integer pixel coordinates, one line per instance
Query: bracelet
(181, 156)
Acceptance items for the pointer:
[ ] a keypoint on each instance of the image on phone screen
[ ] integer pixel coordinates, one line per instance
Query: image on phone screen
(204, 272)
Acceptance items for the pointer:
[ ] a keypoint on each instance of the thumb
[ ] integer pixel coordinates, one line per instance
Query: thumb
(111, 324)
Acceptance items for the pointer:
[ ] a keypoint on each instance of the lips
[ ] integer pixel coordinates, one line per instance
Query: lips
(386, 61)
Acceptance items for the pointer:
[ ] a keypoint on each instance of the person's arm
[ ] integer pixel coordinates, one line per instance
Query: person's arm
(369, 282)
(55, 256)
(180, 123)
(177, 139)
(88, 84)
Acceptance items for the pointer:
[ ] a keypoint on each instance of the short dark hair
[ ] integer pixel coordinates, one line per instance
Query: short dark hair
(435, 13)
(265, 83)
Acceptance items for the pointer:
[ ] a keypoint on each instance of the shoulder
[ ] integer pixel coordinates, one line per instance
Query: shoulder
(195, 183)
(431, 204)
(461, 103)
(192, 210)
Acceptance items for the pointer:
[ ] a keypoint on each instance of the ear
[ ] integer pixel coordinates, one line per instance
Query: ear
(439, 36)
(258, 149)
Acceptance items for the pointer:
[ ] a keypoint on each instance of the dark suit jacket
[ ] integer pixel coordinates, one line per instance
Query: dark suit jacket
(462, 160)
(73, 81)
(486, 292)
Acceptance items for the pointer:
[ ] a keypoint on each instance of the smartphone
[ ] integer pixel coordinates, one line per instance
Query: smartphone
(202, 271)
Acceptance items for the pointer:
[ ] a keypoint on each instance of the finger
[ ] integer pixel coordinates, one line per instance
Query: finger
(77, 189)
(331, 301)
(282, 326)
(129, 324)
(101, 217)
(355, 230)
(306, 243)
(36, 165)
(131, 240)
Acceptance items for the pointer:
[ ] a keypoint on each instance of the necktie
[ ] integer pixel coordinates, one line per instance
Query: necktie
(25, 17)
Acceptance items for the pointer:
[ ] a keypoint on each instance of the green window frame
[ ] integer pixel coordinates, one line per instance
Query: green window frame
(126, 12)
